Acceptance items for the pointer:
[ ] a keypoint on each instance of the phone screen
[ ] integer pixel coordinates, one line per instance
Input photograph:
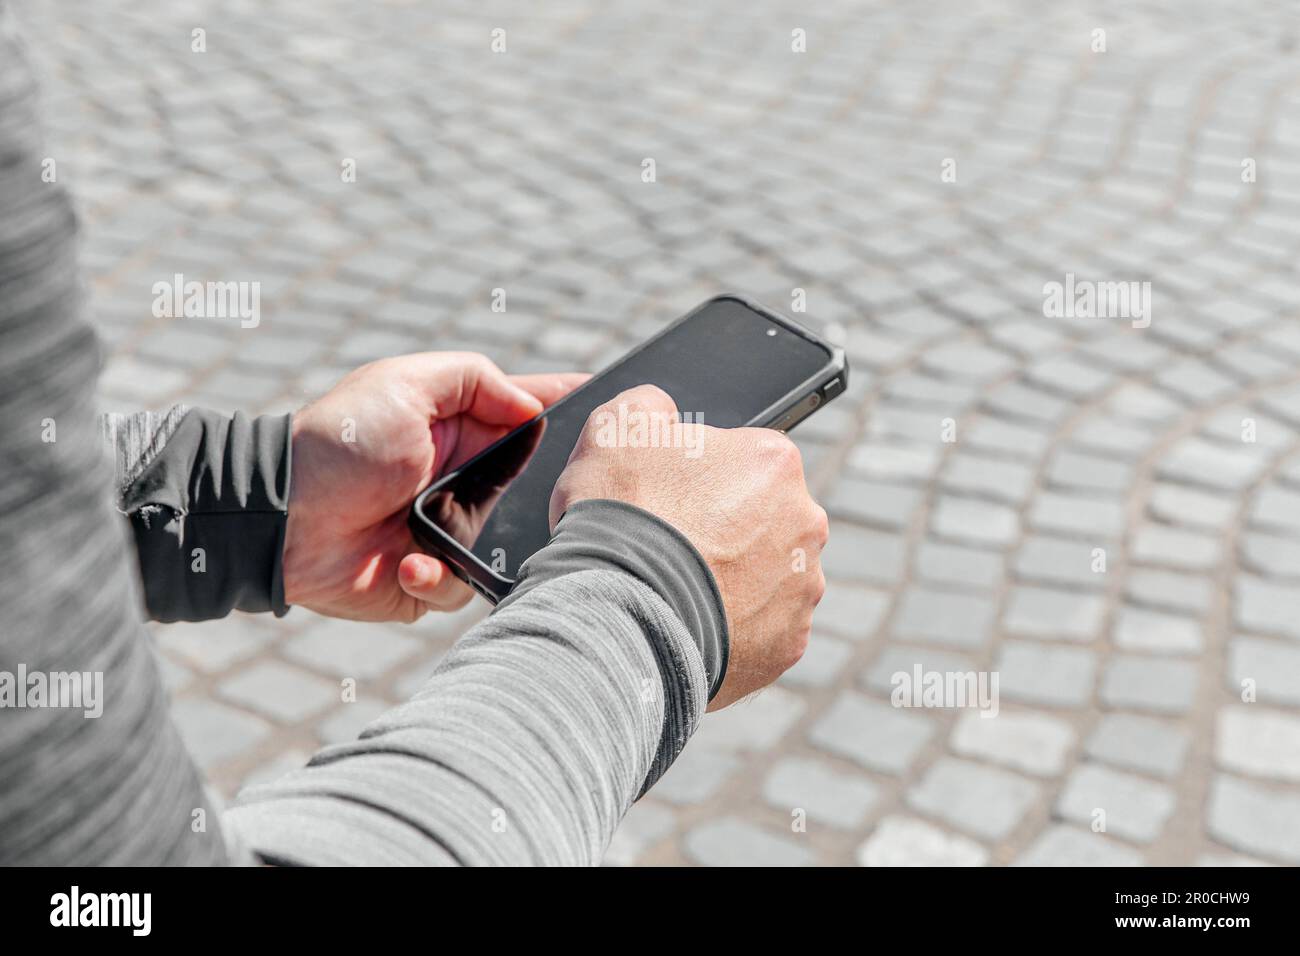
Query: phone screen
(723, 366)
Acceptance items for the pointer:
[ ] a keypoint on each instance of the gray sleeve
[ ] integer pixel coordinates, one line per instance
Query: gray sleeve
(206, 495)
(538, 730)
(96, 775)
(619, 536)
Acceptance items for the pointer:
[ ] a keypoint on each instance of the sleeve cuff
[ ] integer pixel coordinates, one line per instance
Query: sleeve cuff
(604, 533)
(209, 516)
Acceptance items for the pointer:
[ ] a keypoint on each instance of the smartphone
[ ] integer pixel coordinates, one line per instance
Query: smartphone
(729, 362)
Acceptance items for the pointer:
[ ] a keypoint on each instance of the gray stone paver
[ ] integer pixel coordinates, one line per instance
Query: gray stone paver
(1268, 607)
(874, 735)
(977, 799)
(1058, 561)
(344, 649)
(850, 611)
(906, 841)
(1263, 821)
(1079, 515)
(1060, 845)
(522, 171)
(645, 825)
(279, 691)
(1258, 742)
(1115, 802)
(1032, 743)
(1157, 632)
(215, 732)
(733, 842)
(1187, 594)
(821, 664)
(696, 776)
(973, 521)
(1046, 674)
(897, 662)
(1152, 746)
(1174, 547)
(1267, 670)
(1054, 614)
(755, 724)
(957, 565)
(828, 796)
(1149, 683)
(930, 615)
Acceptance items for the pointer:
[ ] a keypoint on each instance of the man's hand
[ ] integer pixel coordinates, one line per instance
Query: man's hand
(364, 450)
(742, 502)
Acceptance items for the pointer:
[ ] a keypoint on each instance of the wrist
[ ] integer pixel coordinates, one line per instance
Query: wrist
(297, 516)
(615, 534)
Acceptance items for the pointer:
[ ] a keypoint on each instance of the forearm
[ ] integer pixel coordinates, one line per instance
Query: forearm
(536, 733)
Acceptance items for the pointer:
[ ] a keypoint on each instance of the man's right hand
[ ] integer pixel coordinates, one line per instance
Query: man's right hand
(741, 501)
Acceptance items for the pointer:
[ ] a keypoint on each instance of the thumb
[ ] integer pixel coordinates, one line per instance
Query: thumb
(466, 383)
(645, 398)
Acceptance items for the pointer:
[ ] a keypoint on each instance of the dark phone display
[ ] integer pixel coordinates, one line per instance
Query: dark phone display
(721, 367)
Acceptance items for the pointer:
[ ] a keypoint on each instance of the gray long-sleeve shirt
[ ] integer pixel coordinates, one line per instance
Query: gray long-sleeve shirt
(528, 744)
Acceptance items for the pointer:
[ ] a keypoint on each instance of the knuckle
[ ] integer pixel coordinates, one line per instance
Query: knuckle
(778, 447)
(476, 359)
(821, 525)
(797, 646)
(788, 454)
(647, 398)
(376, 367)
(476, 365)
(653, 393)
(483, 366)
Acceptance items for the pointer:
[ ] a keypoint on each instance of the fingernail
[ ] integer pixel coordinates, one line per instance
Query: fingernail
(417, 575)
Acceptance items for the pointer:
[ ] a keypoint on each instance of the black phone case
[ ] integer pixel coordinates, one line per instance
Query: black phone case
(824, 385)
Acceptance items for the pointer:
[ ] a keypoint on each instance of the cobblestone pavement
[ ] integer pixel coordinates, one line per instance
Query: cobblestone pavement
(1106, 515)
